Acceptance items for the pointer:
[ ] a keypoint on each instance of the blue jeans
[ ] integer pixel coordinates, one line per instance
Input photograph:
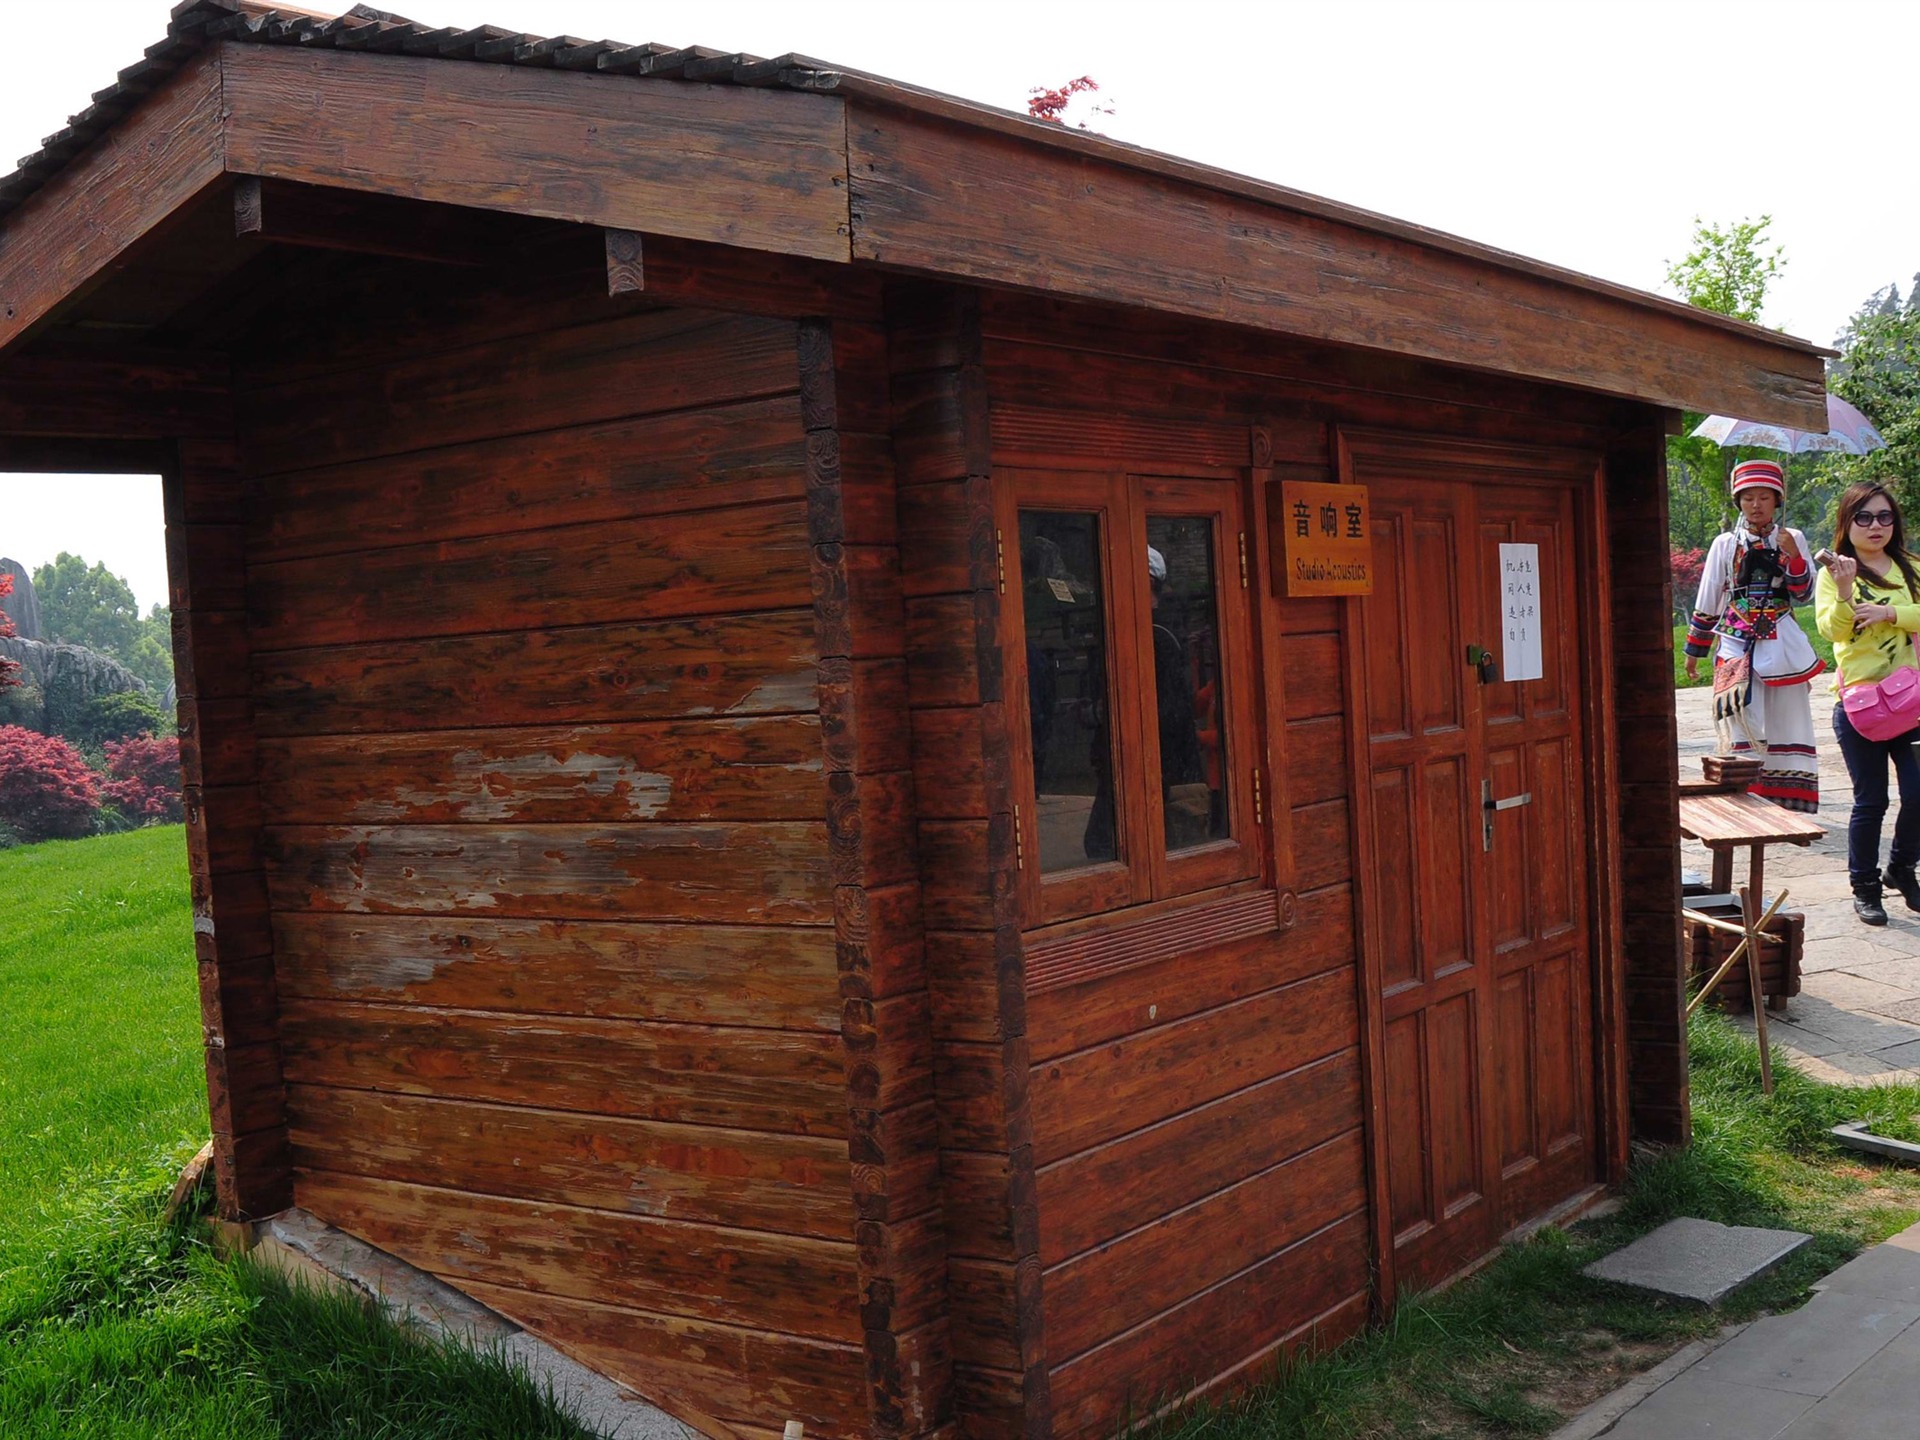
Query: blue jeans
(1867, 764)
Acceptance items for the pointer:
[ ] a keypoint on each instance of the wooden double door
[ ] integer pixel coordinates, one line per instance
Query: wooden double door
(1480, 964)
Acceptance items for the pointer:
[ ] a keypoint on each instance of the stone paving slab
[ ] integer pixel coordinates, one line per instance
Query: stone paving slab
(1887, 967)
(1690, 1409)
(1900, 1057)
(1904, 1010)
(1887, 1271)
(1809, 1351)
(1808, 1043)
(1860, 1031)
(1852, 991)
(1697, 1259)
(1876, 1402)
(1845, 1366)
(1844, 1067)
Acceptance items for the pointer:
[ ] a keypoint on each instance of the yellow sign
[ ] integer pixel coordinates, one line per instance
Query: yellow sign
(1323, 537)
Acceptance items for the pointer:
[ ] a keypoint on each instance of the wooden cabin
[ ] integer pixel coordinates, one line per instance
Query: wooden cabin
(780, 791)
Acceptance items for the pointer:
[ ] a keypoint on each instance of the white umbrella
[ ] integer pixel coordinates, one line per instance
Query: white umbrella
(1848, 432)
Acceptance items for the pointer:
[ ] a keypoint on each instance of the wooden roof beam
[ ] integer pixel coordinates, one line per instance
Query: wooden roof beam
(64, 237)
(945, 198)
(315, 217)
(756, 168)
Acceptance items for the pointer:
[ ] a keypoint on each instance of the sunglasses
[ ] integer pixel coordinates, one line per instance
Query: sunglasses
(1873, 518)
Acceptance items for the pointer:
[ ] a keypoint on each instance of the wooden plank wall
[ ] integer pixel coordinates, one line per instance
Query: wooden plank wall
(1195, 1123)
(536, 684)
(1649, 820)
(1200, 1166)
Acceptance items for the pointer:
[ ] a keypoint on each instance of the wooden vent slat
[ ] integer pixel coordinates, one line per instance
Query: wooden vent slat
(1077, 958)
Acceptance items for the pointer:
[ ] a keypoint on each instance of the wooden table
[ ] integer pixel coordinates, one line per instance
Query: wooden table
(1726, 821)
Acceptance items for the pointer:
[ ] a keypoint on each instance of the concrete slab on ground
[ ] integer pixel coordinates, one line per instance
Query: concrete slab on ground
(300, 1244)
(1697, 1260)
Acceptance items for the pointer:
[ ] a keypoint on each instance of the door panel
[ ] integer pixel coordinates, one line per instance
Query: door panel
(1389, 703)
(1514, 1072)
(1453, 1043)
(1438, 691)
(1393, 836)
(1554, 778)
(1441, 880)
(1483, 956)
(1409, 1193)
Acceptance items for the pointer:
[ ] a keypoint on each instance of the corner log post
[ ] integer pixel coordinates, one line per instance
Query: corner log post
(969, 867)
(204, 495)
(1647, 818)
(893, 1127)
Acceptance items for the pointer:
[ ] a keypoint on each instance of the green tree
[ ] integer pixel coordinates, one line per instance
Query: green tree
(89, 605)
(1879, 371)
(1728, 271)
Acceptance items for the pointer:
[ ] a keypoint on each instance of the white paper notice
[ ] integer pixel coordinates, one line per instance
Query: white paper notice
(1520, 612)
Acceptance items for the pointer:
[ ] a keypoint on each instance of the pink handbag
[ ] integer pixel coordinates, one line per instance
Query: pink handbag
(1884, 709)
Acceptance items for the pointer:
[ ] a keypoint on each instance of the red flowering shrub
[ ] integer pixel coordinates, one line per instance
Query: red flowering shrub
(46, 790)
(1688, 565)
(9, 669)
(144, 779)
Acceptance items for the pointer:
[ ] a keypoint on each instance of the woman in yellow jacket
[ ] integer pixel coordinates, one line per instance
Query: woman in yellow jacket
(1867, 602)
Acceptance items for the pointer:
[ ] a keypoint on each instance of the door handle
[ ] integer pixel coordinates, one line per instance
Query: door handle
(1490, 806)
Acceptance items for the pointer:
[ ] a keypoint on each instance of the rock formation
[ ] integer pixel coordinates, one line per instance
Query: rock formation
(22, 605)
(57, 682)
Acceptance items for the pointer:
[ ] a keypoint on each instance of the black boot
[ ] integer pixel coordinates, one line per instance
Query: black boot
(1866, 903)
(1903, 879)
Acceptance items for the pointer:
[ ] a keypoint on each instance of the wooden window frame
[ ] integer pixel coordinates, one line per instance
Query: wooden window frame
(1144, 873)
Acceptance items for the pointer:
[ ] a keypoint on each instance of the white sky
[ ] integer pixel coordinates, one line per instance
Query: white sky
(1586, 134)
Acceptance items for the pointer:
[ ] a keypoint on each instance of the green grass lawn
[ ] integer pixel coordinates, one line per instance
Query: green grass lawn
(99, 1017)
(113, 1324)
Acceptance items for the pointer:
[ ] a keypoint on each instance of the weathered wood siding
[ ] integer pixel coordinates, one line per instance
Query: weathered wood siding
(1655, 981)
(860, 619)
(1195, 1124)
(964, 809)
(543, 783)
(232, 934)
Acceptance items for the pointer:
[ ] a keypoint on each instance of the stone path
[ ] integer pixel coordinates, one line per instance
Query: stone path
(1841, 1367)
(1857, 1017)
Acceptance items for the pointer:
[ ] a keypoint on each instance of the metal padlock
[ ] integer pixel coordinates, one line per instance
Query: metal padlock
(1482, 660)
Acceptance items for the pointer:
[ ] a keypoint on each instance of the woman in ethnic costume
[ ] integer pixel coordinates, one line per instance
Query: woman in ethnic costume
(1754, 575)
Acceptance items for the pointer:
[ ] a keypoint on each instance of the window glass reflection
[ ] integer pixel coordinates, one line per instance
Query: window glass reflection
(1067, 688)
(1187, 684)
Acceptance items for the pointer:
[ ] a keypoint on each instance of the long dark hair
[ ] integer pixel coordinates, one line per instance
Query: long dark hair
(1851, 504)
